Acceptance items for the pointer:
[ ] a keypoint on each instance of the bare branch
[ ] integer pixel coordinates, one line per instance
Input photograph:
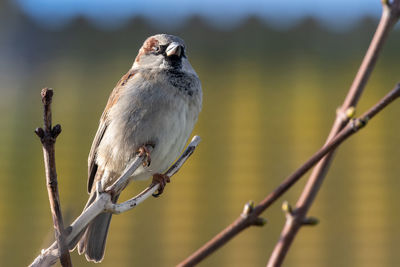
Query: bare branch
(252, 213)
(103, 203)
(120, 183)
(48, 138)
(390, 15)
(129, 204)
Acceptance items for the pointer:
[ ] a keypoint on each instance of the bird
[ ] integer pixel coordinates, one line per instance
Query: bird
(156, 103)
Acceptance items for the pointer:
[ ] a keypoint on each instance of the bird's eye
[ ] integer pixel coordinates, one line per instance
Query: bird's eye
(159, 49)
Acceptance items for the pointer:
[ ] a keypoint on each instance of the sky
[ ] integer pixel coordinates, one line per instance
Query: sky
(115, 12)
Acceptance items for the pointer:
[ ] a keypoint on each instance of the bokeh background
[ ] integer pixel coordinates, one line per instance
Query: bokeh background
(273, 74)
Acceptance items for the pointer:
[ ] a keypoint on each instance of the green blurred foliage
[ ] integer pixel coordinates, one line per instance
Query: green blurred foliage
(269, 99)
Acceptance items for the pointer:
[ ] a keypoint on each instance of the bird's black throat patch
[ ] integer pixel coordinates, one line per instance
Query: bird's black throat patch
(181, 80)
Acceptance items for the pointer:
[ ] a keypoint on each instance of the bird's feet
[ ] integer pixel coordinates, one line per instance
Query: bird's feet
(144, 151)
(162, 180)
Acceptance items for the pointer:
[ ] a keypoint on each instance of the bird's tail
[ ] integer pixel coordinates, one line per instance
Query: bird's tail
(92, 240)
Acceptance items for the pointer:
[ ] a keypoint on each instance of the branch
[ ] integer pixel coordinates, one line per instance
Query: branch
(103, 202)
(48, 138)
(250, 215)
(390, 15)
(125, 206)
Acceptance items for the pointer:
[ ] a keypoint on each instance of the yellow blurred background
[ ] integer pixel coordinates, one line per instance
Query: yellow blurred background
(270, 96)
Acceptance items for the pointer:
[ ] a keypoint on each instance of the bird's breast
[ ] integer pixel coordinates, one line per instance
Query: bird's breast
(162, 112)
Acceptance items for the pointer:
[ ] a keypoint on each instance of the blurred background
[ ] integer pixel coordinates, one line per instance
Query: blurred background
(273, 73)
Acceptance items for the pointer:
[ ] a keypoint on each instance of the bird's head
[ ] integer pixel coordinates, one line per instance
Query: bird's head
(162, 51)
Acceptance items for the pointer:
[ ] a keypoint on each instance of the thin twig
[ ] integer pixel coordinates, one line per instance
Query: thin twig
(48, 137)
(150, 190)
(103, 203)
(121, 182)
(390, 15)
(251, 214)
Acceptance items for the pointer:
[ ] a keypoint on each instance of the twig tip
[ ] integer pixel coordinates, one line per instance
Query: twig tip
(195, 140)
(47, 95)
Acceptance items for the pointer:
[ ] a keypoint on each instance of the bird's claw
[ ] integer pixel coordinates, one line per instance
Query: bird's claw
(144, 151)
(162, 180)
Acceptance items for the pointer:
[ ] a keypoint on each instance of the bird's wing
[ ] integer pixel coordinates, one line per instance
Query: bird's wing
(115, 94)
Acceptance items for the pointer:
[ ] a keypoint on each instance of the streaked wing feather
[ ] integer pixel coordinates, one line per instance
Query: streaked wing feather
(92, 166)
(115, 94)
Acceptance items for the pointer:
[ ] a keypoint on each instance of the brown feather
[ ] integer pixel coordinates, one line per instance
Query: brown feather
(112, 100)
(147, 47)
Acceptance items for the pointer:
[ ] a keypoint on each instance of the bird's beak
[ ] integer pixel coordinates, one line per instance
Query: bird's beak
(174, 49)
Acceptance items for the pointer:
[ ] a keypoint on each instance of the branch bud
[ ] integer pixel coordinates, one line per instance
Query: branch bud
(56, 131)
(248, 208)
(39, 132)
(287, 208)
(350, 112)
(311, 221)
(47, 95)
(260, 221)
(357, 124)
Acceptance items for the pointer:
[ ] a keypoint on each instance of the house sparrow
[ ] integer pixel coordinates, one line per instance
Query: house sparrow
(156, 103)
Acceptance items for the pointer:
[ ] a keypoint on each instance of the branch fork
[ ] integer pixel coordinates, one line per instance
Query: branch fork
(290, 215)
(343, 127)
(103, 202)
(340, 131)
(48, 135)
(390, 16)
(247, 212)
